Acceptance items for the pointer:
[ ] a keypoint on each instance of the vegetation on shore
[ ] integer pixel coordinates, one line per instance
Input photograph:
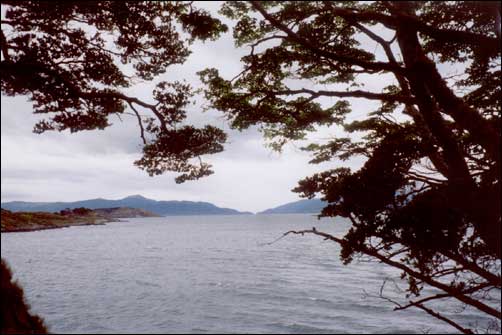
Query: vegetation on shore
(310, 206)
(16, 317)
(23, 221)
(30, 221)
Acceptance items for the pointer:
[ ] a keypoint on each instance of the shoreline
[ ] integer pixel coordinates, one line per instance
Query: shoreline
(14, 222)
(19, 222)
(31, 229)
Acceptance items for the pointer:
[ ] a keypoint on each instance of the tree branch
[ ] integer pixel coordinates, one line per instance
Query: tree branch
(348, 94)
(448, 289)
(434, 156)
(37, 68)
(5, 49)
(421, 70)
(139, 122)
(421, 306)
(448, 35)
(441, 296)
(495, 280)
(378, 66)
(268, 38)
(445, 319)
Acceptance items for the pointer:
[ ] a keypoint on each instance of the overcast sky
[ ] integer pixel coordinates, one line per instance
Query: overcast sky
(68, 167)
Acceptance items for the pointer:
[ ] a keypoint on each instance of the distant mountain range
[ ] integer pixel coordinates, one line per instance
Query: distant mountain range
(164, 208)
(313, 206)
(135, 201)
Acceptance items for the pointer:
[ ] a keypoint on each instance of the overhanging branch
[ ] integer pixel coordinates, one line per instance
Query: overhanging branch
(490, 44)
(455, 293)
(347, 94)
(378, 66)
(139, 122)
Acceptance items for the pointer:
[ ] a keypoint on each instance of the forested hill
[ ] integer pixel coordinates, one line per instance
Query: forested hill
(302, 206)
(136, 201)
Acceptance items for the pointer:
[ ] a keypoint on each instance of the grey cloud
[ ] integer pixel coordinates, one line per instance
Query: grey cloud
(59, 166)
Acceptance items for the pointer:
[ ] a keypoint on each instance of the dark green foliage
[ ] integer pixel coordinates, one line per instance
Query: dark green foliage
(172, 149)
(71, 58)
(308, 206)
(81, 211)
(427, 198)
(16, 317)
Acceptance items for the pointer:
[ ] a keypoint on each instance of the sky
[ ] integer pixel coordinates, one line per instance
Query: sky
(99, 164)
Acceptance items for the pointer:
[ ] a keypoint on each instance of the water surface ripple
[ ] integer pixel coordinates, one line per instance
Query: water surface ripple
(205, 274)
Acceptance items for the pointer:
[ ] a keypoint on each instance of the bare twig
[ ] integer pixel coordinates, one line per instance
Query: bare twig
(445, 319)
(452, 291)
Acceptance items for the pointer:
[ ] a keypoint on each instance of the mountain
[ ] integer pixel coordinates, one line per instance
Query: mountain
(302, 206)
(135, 201)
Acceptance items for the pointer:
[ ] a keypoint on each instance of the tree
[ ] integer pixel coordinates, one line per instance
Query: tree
(65, 56)
(426, 200)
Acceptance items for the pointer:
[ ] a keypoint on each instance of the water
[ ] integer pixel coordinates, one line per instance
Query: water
(206, 274)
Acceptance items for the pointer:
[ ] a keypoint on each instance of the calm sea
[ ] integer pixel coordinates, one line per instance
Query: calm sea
(208, 274)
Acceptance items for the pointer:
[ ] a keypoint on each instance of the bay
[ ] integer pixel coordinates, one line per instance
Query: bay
(209, 274)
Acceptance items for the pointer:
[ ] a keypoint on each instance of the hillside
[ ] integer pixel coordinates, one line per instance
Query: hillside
(163, 208)
(313, 206)
(29, 221)
(124, 212)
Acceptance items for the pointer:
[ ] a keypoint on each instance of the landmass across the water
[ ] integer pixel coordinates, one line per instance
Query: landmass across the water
(164, 208)
(306, 206)
(30, 221)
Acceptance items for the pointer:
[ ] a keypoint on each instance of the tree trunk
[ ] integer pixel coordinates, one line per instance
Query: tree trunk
(427, 85)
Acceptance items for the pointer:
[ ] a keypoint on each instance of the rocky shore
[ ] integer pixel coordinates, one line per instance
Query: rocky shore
(31, 221)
